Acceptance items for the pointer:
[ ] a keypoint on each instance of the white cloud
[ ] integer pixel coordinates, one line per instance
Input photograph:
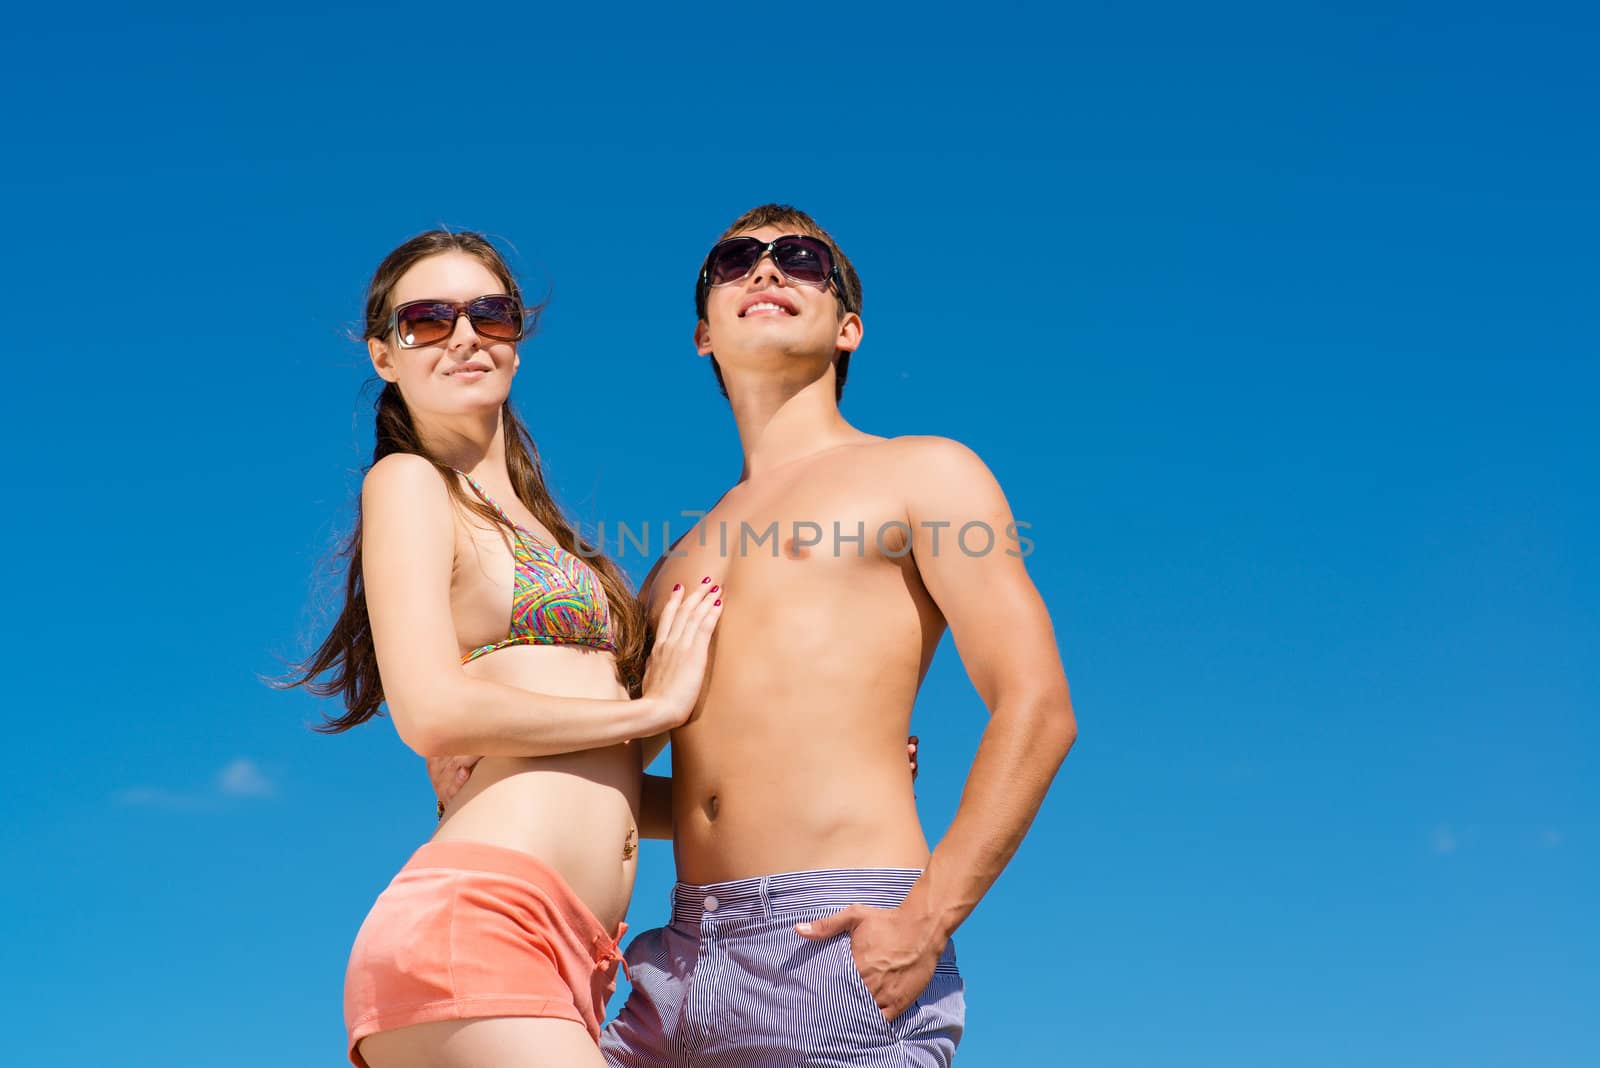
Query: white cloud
(1444, 840)
(243, 779)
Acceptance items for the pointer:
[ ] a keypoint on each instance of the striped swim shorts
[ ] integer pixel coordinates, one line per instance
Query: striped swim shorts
(729, 983)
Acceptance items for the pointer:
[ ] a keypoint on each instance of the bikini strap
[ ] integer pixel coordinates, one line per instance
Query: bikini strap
(481, 492)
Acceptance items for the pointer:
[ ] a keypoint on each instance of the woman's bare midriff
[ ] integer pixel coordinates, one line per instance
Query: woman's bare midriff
(577, 812)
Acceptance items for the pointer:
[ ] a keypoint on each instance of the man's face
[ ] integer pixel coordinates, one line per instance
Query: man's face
(766, 321)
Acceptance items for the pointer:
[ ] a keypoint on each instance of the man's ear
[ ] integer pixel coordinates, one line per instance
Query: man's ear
(848, 338)
(382, 360)
(702, 338)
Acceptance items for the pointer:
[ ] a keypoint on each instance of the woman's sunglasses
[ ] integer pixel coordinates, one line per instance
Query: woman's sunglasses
(428, 322)
(800, 258)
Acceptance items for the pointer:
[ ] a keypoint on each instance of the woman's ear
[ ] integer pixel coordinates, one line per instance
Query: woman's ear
(702, 338)
(382, 360)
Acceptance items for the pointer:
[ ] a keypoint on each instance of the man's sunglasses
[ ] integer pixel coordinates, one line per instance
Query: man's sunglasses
(428, 322)
(799, 257)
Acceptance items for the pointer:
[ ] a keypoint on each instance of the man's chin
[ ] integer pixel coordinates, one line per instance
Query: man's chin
(768, 358)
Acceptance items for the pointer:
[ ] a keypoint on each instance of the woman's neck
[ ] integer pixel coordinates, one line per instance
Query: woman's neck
(476, 445)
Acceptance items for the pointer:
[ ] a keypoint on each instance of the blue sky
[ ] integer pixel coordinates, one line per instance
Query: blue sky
(1276, 321)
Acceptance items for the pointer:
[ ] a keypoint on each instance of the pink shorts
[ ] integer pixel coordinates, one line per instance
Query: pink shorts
(468, 930)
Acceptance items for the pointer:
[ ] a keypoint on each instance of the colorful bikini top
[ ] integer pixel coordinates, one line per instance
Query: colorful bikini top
(556, 598)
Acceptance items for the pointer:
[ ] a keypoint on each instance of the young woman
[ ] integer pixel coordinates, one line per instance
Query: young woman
(471, 613)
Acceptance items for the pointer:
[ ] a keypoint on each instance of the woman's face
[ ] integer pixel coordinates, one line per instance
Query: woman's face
(464, 373)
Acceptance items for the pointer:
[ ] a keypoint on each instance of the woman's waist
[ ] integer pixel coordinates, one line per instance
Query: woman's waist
(575, 816)
(601, 784)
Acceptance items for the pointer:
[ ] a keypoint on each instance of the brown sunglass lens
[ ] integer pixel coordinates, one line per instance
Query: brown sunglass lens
(424, 324)
(498, 318)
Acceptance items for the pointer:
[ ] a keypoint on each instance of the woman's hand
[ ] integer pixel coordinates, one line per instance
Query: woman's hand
(449, 775)
(677, 667)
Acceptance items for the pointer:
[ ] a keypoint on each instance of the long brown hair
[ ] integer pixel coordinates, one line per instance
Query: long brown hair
(346, 664)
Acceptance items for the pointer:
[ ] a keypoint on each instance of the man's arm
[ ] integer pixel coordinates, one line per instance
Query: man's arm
(1007, 645)
(655, 795)
(655, 807)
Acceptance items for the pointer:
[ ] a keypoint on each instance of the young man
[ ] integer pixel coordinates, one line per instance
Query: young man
(810, 923)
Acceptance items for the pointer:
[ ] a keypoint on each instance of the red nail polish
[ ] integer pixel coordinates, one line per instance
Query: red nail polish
(705, 580)
(714, 589)
(716, 603)
(676, 586)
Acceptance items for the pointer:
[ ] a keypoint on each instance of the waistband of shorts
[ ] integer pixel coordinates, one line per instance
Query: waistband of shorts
(765, 896)
(524, 867)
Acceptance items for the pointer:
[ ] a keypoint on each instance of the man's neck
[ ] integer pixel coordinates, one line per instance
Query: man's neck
(779, 423)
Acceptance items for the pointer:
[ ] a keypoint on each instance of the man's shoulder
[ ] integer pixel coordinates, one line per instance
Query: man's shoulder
(928, 470)
(930, 454)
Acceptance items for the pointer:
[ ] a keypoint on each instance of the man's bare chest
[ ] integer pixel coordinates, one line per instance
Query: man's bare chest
(795, 542)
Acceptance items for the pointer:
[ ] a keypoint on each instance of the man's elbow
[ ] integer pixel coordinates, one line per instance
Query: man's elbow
(1069, 730)
(1060, 726)
(1050, 722)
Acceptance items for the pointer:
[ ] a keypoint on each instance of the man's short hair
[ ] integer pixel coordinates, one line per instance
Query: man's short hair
(848, 294)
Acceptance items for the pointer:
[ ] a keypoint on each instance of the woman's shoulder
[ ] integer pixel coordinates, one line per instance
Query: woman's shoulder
(404, 480)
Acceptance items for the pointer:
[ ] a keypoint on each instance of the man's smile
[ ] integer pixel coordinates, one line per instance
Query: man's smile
(767, 303)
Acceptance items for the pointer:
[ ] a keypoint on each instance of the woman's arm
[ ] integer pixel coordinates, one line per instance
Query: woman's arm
(407, 556)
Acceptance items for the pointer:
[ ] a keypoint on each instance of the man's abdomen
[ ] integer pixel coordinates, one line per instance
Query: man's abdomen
(808, 806)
